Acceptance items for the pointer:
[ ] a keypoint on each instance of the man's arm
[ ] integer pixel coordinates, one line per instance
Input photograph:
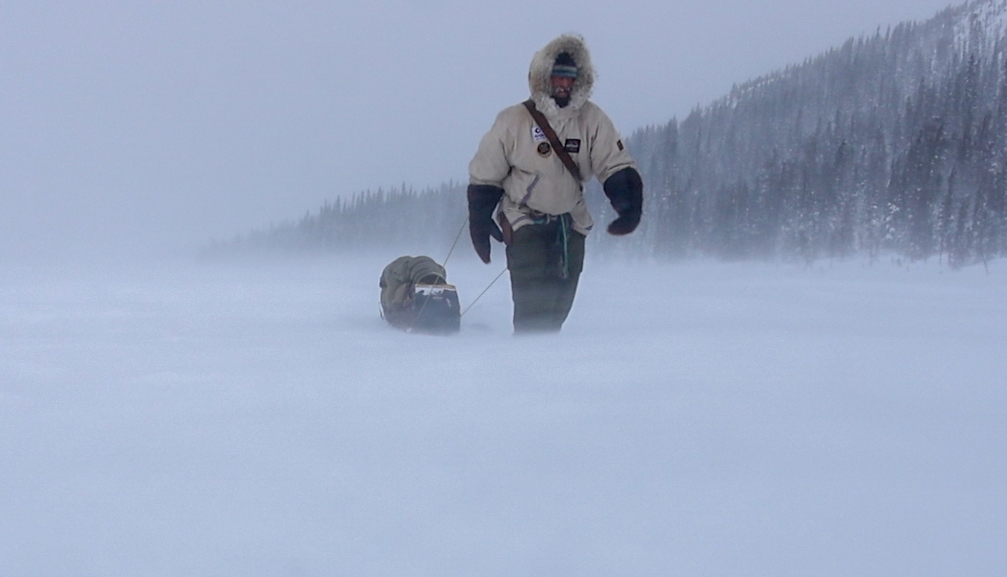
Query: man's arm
(491, 163)
(483, 198)
(617, 172)
(487, 171)
(624, 190)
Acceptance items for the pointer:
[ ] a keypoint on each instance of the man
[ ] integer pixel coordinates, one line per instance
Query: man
(537, 196)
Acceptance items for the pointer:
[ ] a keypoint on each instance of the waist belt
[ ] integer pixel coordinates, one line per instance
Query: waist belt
(543, 218)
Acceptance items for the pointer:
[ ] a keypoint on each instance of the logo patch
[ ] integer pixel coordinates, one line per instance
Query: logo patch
(619, 144)
(544, 149)
(537, 135)
(572, 145)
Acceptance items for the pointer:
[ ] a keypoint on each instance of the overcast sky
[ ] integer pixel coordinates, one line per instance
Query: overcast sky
(130, 126)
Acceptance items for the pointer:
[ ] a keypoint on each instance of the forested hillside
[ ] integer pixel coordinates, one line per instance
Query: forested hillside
(896, 142)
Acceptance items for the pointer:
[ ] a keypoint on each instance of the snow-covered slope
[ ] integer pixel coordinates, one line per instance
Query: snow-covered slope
(980, 21)
(701, 419)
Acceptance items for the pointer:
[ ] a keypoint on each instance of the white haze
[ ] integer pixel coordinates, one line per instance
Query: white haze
(131, 127)
(699, 419)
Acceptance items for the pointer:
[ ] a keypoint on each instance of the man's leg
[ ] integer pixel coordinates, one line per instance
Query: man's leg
(542, 297)
(566, 289)
(528, 259)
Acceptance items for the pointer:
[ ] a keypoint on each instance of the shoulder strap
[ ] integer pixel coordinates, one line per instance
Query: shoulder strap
(554, 140)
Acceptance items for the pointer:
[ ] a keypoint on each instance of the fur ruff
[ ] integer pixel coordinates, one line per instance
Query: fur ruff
(540, 71)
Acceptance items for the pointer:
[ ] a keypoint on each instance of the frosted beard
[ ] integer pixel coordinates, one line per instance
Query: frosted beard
(561, 96)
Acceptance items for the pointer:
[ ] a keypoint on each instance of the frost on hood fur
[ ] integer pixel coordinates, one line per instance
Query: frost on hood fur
(540, 72)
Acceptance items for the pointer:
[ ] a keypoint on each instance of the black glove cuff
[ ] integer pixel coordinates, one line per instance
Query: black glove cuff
(624, 190)
(483, 198)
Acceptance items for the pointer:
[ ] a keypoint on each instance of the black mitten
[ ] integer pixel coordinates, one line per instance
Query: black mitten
(624, 190)
(483, 198)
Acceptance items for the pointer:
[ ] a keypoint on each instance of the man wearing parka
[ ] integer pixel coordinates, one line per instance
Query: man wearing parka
(518, 177)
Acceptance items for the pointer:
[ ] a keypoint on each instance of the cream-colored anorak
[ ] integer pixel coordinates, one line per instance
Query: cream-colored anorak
(515, 154)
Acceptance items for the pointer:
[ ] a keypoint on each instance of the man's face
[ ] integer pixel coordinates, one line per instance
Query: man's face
(561, 86)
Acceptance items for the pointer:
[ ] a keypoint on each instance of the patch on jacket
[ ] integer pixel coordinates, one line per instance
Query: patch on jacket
(537, 135)
(544, 149)
(572, 145)
(619, 144)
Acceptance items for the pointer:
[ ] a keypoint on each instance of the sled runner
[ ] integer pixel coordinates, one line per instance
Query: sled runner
(416, 297)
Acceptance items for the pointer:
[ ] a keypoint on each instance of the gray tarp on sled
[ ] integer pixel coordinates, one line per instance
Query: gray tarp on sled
(416, 296)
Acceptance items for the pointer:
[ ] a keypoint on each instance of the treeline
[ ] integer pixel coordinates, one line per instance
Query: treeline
(895, 142)
(397, 217)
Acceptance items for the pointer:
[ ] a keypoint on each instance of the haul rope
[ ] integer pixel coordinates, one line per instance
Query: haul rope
(453, 245)
(444, 264)
(468, 308)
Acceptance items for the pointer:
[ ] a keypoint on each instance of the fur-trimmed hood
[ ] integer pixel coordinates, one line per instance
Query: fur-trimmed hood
(540, 71)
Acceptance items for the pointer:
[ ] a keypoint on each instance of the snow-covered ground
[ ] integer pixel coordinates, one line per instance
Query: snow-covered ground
(692, 419)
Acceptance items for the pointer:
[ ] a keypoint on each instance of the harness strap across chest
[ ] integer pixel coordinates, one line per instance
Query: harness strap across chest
(550, 134)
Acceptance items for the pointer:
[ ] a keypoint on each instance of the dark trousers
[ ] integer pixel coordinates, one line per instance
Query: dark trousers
(542, 291)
